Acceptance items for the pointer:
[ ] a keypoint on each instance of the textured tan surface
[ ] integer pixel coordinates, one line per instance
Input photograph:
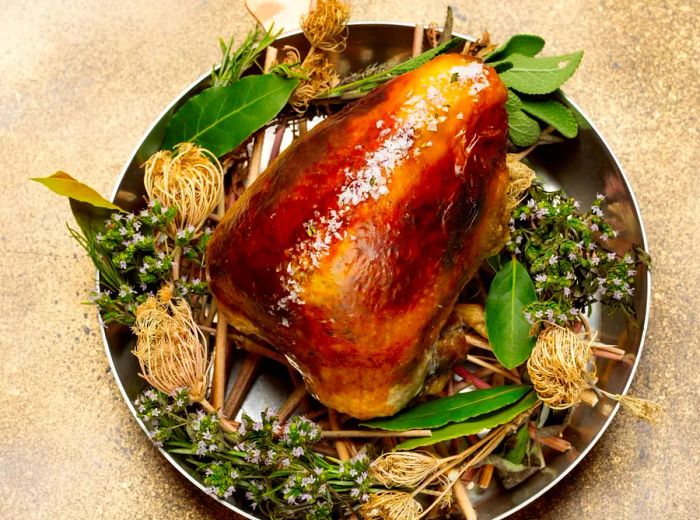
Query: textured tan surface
(79, 84)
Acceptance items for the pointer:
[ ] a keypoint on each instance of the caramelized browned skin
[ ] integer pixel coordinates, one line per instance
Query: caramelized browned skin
(349, 251)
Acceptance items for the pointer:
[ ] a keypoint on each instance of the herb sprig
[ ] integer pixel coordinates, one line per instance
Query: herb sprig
(565, 251)
(235, 61)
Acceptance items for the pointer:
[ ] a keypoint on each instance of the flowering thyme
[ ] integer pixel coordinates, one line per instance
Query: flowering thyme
(271, 466)
(568, 255)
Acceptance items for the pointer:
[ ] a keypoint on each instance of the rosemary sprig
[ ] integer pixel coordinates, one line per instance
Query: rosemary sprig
(358, 86)
(235, 61)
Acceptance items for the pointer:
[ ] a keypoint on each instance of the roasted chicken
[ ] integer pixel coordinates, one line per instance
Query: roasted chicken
(349, 252)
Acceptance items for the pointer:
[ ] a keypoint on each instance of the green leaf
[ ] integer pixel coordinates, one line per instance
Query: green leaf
(473, 426)
(368, 82)
(540, 75)
(522, 129)
(553, 113)
(455, 408)
(513, 103)
(516, 454)
(525, 44)
(63, 184)
(221, 118)
(509, 332)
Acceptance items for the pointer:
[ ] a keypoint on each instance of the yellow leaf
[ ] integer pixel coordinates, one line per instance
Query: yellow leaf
(63, 184)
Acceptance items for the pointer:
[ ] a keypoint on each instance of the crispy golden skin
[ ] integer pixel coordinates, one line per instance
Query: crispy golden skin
(348, 253)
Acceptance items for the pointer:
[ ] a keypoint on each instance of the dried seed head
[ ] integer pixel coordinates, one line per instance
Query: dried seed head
(521, 177)
(171, 350)
(405, 469)
(319, 76)
(391, 505)
(190, 179)
(326, 25)
(557, 367)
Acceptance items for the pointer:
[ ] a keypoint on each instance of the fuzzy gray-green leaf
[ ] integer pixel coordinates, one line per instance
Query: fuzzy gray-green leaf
(531, 75)
(455, 408)
(472, 426)
(525, 44)
(522, 129)
(221, 118)
(509, 332)
(553, 113)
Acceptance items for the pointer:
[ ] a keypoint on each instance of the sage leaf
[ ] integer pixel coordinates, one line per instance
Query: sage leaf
(455, 408)
(525, 44)
(472, 426)
(221, 118)
(509, 332)
(531, 75)
(63, 184)
(513, 103)
(522, 129)
(553, 113)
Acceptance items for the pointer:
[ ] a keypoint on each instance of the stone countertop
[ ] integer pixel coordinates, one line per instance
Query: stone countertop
(81, 81)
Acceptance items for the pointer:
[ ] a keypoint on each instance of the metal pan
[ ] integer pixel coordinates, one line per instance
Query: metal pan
(583, 166)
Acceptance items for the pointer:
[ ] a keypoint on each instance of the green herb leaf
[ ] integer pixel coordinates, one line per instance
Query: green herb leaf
(540, 75)
(361, 83)
(513, 103)
(221, 118)
(455, 408)
(553, 113)
(472, 426)
(63, 184)
(525, 44)
(509, 332)
(522, 129)
(516, 454)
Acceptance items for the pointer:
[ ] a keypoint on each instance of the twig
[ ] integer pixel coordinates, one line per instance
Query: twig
(472, 378)
(463, 501)
(477, 341)
(209, 318)
(177, 252)
(485, 476)
(291, 404)
(417, 40)
(241, 387)
(340, 446)
(478, 361)
(220, 348)
(277, 143)
(247, 344)
(556, 443)
(369, 434)
(256, 156)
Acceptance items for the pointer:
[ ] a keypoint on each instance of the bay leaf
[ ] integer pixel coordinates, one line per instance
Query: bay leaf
(455, 408)
(221, 118)
(509, 332)
(531, 75)
(63, 184)
(472, 426)
(525, 44)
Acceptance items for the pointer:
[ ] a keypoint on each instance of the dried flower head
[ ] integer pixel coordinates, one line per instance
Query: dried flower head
(405, 469)
(326, 25)
(190, 179)
(521, 177)
(560, 372)
(171, 350)
(391, 505)
(557, 367)
(319, 75)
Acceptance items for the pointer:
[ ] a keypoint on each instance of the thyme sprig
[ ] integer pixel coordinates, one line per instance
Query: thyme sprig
(567, 254)
(272, 465)
(134, 257)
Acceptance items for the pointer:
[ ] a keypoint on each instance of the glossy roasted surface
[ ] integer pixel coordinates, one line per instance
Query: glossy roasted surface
(347, 253)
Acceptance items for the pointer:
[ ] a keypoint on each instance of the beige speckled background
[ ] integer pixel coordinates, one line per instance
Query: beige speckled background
(81, 81)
